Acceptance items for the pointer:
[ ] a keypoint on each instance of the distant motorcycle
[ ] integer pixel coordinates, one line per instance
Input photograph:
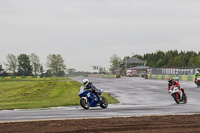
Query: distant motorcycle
(177, 94)
(89, 99)
(198, 81)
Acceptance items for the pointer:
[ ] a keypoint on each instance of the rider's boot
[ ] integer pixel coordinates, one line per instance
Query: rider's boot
(183, 91)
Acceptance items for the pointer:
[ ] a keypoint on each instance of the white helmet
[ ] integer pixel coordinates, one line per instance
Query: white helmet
(85, 82)
(197, 72)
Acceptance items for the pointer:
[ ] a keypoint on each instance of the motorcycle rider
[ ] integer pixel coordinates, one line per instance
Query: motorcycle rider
(172, 82)
(195, 76)
(90, 87)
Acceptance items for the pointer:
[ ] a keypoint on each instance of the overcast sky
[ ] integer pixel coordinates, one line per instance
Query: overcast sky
(89, 32)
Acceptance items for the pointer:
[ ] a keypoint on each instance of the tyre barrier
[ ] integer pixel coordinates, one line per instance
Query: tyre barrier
(19, 77)
(179, 77)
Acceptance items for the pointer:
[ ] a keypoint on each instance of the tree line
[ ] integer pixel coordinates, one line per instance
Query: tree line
(172, 58)
(160, 59)
(29, 65)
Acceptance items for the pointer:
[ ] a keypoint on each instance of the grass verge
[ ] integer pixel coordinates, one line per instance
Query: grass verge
(41, 93)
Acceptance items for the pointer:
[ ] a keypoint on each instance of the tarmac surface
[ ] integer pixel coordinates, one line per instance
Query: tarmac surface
(137, 96)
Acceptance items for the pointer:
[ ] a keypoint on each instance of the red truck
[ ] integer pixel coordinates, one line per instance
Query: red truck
(132, 73)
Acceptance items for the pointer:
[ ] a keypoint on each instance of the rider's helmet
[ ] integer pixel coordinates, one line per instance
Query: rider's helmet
(85, 82)
(170, 80)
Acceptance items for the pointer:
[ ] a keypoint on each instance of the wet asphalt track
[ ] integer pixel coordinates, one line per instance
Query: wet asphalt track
(137, 97)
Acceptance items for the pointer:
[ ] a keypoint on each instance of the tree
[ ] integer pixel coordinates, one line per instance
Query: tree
(55, 63)
(41, 71)
(194, 61)
(61, 74)
(115, 62)
(1, 68)
(11, 63)
(4, 74)
(159, 63)
(177, 62)
(24, 67)
(48, 73)
(35, 63)
(71, 72)
(126, 58)
(138, 56)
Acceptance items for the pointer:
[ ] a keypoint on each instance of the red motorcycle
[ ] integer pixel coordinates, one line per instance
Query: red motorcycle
(198, 81)
(178, 95)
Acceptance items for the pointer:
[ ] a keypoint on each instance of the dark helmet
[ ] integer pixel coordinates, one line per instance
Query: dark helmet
(170, 80)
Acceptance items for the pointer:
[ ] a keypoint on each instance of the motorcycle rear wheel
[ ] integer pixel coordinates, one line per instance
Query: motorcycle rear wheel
(198, 84)
(85, 104)
(103, 102)
(184, 99)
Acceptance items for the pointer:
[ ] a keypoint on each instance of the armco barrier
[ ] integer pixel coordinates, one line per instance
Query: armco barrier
(102, 76)
(180, 77)
(19, 77)
(96, 75)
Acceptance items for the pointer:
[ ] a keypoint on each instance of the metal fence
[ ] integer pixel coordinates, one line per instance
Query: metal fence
(174, 71)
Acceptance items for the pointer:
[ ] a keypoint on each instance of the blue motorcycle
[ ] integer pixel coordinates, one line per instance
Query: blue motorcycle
(89, 99)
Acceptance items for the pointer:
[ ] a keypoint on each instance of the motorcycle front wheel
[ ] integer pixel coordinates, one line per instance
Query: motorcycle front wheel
(176, 98)
(85, 103)
(103, 102)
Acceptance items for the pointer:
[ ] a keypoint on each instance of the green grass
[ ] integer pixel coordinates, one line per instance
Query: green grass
(111, 100)
(40, 93)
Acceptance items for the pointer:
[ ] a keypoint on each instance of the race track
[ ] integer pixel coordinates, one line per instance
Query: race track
(137, 96)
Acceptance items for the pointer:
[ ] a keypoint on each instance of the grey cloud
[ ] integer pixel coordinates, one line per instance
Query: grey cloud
(88, 32)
